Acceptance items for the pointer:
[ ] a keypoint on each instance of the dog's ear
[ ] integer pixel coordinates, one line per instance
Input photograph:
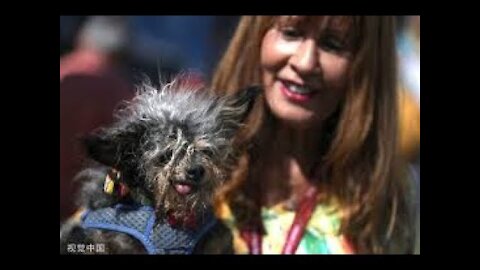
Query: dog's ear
(101, 147)
(114, 146)
(236, 109)
(240, 104)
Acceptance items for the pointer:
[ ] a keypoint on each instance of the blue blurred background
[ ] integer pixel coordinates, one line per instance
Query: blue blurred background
(149, 44)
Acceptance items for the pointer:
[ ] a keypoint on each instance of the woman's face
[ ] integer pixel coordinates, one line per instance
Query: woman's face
(304, 64)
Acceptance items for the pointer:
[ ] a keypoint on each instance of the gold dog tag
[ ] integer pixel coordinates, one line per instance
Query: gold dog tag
(109, 185)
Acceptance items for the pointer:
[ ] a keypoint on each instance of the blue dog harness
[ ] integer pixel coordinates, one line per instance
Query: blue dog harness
(139, 222)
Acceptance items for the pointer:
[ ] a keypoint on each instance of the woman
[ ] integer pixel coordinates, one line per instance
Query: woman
(320, 171)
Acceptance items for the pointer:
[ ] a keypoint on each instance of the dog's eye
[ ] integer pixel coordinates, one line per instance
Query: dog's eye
(207, 152)
(163, 159)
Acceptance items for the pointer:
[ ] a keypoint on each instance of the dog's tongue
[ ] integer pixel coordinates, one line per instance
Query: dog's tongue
(183, 189)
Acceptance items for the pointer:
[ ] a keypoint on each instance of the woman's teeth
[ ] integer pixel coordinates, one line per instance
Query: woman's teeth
(298, 89)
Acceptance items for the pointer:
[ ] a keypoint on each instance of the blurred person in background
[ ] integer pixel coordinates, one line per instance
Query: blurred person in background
(167, 45)
(408, 50)
(92, 83)
(69, 27)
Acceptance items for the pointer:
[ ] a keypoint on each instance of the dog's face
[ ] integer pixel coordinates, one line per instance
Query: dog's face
(175, 144)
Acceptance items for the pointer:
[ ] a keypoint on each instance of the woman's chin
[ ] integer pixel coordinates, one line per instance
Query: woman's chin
(296, 117)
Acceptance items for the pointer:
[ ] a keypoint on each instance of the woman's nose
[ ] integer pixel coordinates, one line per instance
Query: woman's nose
(306, 58)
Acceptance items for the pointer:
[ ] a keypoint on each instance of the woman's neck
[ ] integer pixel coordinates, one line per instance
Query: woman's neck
(290, 156)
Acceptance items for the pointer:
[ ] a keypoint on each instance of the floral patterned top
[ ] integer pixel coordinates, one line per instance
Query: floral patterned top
(321, 234)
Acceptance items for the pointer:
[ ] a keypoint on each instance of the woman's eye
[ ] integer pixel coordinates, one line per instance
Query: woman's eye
(332, 44)
(291, 33)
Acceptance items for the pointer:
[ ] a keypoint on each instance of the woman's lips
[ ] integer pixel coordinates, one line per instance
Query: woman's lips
(295, 96)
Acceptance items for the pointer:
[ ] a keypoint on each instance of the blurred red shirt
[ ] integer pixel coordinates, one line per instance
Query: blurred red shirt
(90, 88)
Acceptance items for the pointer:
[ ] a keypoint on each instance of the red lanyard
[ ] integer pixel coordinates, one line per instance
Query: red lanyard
(253, 237)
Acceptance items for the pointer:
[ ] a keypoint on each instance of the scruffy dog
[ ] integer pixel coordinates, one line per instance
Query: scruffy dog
(156, 170)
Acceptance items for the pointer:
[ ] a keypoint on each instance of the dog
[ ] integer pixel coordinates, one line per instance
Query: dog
(154, 171)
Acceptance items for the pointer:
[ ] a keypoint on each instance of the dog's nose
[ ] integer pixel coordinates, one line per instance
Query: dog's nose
(195, 173)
